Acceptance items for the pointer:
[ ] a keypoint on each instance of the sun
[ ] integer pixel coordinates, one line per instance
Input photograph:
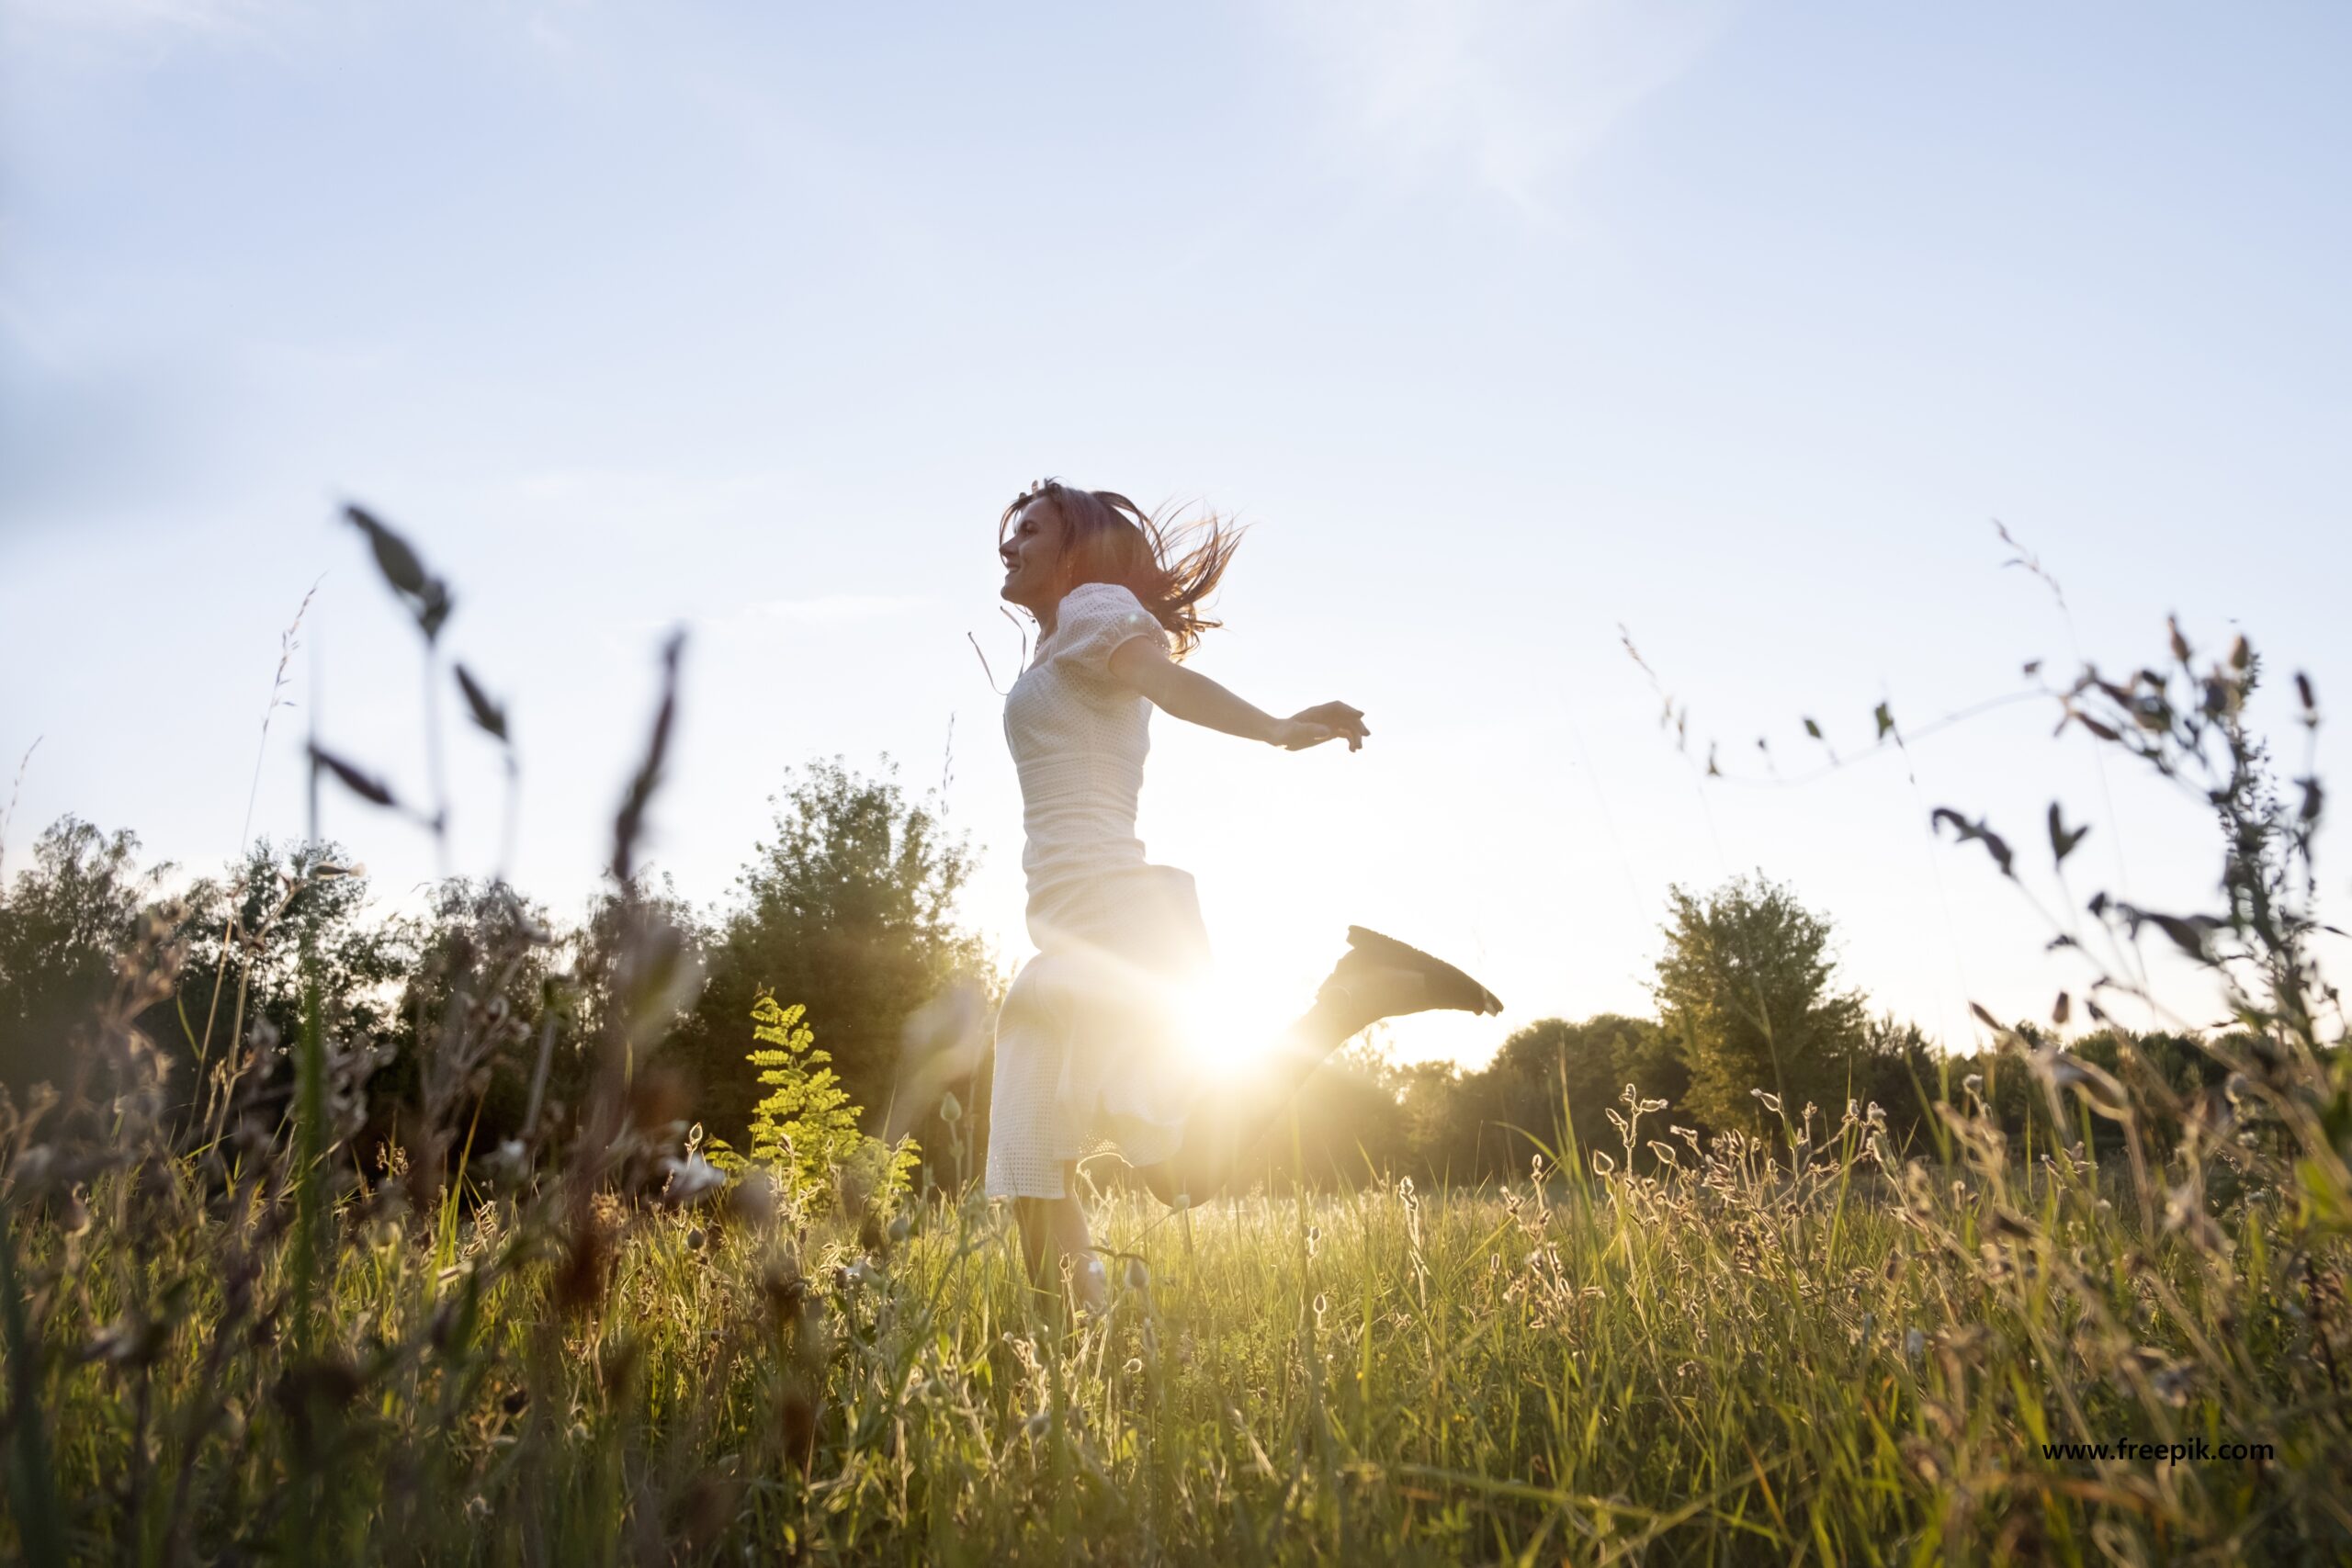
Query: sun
(1233, 1016)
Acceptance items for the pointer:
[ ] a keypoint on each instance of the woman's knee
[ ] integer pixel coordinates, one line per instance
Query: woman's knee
(1158, 1181)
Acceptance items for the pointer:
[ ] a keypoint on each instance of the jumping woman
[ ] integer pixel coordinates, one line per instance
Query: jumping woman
(1090, 1042)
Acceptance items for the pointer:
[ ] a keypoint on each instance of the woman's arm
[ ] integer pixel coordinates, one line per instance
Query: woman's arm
(1142, 663)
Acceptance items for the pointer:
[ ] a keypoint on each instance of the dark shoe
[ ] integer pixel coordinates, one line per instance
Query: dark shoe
(1448, 986)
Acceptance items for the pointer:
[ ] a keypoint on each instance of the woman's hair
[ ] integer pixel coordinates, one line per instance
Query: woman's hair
(1108, 538)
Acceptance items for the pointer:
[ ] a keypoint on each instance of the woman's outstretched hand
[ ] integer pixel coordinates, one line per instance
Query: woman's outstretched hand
(1142, 663)
(1324, 721)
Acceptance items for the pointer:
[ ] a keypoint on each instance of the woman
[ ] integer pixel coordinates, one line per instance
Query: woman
(1090, 1044)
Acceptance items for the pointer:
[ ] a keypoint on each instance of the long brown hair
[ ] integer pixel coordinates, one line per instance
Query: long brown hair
(1108, 538)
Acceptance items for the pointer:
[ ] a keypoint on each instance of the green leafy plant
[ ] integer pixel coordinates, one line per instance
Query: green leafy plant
(805, 1132)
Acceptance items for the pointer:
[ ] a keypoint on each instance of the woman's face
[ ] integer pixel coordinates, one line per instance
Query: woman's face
(1032, 556)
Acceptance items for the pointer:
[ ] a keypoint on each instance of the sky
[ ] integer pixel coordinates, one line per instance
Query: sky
(1511, 329)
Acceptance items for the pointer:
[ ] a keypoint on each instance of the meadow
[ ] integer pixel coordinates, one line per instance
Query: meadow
(244, 1333)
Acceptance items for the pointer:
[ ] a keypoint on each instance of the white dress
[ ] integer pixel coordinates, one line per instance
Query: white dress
(1088, 1042)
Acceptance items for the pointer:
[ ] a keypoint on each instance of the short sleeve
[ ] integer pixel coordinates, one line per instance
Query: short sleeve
(1095, 619)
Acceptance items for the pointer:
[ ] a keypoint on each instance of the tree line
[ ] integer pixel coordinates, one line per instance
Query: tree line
(848, 909)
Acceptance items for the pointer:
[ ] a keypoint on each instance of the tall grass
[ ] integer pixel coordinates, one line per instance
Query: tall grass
(1730, 1361)
(1810, 1346)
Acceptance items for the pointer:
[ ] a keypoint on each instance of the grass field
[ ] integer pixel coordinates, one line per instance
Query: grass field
(1723, 1363)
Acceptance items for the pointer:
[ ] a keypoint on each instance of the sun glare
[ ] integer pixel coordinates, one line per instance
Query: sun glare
(1233, 1015)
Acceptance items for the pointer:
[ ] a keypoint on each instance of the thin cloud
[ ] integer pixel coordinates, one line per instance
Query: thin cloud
(1512, 93)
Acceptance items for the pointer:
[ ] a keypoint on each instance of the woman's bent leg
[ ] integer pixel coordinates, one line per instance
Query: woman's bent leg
(1054, 1230)
(1379, 977)
(1222, 1132)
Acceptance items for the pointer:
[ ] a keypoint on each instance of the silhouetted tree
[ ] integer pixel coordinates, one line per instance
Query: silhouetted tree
(1745, 992)
(251, 924)
(62, 920)
(1558, 1081)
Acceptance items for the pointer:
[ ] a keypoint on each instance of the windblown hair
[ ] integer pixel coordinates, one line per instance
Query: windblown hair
(1108, 538)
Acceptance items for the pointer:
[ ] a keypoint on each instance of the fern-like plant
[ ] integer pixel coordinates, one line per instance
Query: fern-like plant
(804, 1129)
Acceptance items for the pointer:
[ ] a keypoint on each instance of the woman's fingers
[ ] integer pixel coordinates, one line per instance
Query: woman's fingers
(1337, 716)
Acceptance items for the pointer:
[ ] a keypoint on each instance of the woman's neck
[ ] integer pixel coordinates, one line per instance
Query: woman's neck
(1048, 616)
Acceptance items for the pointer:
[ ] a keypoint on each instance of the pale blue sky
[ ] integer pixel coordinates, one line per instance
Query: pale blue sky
(1504, 323)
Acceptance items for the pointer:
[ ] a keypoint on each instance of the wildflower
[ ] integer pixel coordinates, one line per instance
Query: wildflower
(951, 1109)
(1602, 1163)
(1974, 1084)
(1771, 1102)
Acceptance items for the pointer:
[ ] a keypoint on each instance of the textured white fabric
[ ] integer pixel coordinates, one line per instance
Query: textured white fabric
(1087, 1044)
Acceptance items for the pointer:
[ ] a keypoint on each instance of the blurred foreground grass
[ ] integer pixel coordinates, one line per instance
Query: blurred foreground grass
(1720, 1363)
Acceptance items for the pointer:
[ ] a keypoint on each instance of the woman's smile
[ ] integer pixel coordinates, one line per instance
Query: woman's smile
(1030, 554)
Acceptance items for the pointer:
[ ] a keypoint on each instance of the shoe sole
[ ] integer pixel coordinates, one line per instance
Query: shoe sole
(1449, 987)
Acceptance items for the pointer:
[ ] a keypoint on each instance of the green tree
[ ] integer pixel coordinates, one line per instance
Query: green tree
(1746, 993)
(248, 926)
(1554, 1079)
(62, 920)
(481, 990)
(850, 910)
(595, 946)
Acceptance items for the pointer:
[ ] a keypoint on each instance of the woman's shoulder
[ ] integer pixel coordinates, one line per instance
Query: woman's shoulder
(1099, 598)
(1094, 618)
